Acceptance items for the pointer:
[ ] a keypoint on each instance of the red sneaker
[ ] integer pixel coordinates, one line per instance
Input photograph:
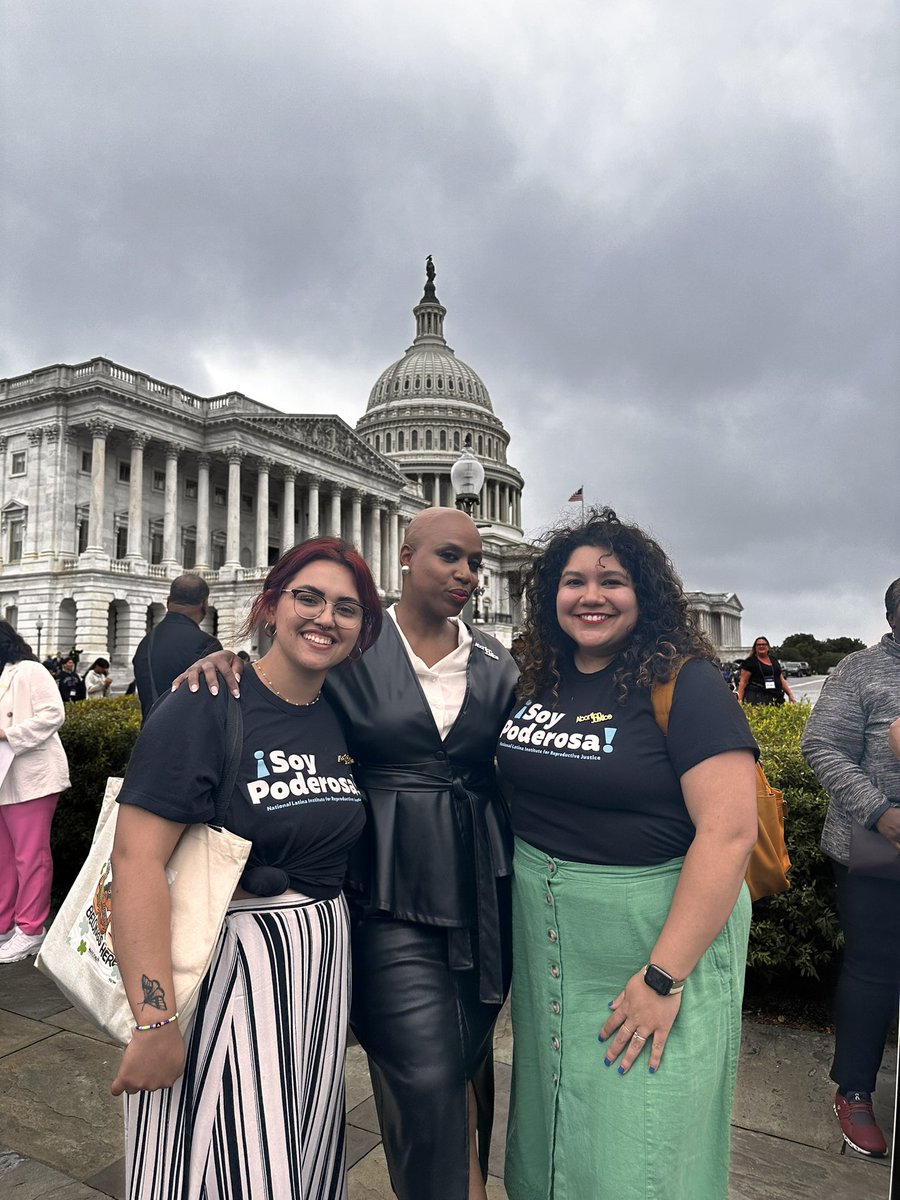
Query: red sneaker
(858, 1124)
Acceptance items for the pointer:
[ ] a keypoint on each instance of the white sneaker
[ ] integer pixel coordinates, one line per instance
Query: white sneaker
(20, 946)
(4, 937)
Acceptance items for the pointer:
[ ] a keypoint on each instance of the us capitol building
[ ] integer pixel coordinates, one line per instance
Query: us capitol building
(113, 482)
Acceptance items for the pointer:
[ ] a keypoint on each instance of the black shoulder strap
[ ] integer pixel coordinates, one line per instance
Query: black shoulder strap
(234, 739)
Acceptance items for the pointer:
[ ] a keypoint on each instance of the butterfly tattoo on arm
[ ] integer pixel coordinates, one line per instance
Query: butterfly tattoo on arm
(154, 995)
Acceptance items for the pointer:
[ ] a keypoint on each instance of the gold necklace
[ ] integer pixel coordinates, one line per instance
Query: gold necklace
(287, 699)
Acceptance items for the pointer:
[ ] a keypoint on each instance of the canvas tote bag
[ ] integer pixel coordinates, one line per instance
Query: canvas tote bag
(78, 952)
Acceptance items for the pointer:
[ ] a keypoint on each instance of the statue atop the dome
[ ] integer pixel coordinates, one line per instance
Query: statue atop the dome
(429, 279)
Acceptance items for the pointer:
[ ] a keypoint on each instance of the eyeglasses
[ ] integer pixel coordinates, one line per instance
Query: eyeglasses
(347, 613)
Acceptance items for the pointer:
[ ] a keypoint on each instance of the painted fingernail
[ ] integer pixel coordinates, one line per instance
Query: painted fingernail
(607, 1063)
(600, 1037)
(621, 1070)
(213, 690)
(652, 1070)
(195, 687)
(610, 1004)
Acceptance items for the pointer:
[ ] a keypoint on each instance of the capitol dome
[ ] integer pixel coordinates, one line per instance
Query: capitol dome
(426, 407)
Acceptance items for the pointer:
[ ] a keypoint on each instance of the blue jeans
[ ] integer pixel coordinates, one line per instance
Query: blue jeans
(867, 993)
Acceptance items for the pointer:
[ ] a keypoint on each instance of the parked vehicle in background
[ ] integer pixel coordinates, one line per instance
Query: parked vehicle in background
(805, 668)
(790, 669)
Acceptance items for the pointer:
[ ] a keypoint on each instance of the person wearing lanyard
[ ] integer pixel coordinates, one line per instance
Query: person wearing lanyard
(762, 680)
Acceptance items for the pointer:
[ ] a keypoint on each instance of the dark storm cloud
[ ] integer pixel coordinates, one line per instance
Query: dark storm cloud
(665, 235)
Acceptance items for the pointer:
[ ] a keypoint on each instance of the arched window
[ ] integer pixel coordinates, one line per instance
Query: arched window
(427, 439)
(443, 441)
(387, 443)
(481, 443)
(401, 440)
(455, 439)
(378, 442)
(414, 439)
(406, 385)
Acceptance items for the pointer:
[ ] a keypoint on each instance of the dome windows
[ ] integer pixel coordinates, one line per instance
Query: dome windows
(414, 440)
(443, 440)
(428, 439)
(401, 440)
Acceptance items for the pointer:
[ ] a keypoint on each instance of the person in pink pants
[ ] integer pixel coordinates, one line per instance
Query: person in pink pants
(33, 772)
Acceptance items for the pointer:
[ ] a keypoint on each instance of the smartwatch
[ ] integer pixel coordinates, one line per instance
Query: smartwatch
(661, 981)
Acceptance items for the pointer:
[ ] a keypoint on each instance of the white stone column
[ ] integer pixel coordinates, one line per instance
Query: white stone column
(335, 521)
(393, 554)
(262, 512)
(136, 496)
(171, 555)
(356, 519)
(436, 491)
(100, 431)
(49, 542)
(288, 533)
(36, 498)
(202, 560)
(375, 559)
(233, 526)
(312, 529)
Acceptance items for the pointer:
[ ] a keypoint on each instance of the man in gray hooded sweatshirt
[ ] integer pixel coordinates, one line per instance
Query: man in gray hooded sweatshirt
(846, 744)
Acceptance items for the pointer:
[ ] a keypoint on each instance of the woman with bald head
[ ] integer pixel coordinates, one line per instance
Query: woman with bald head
(422, 712)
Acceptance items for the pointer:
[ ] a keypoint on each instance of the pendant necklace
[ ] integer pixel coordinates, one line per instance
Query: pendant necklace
(287, 699)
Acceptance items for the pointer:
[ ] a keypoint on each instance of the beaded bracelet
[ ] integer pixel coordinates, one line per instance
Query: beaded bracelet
(156, 1024)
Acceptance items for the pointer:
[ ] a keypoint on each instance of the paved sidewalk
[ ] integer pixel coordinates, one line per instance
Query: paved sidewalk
(61, 1131)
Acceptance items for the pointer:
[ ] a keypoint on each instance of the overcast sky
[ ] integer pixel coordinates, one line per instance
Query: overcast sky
(666, 236)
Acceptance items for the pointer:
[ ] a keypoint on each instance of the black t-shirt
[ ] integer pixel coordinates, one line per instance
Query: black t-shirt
(597, 781)
(760, 672)
(295, 796)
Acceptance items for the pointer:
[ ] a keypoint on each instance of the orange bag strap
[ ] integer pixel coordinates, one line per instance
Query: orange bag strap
(661, 695)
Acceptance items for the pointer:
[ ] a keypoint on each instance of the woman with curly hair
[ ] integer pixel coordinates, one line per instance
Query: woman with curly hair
(630, 916)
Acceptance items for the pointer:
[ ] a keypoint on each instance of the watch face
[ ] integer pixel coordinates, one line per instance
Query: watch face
(659, 980)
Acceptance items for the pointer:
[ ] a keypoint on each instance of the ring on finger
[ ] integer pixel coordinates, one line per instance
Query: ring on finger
(625, 1029)
(638, 1037)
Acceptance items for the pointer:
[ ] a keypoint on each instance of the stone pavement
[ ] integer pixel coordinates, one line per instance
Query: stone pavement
(61, 1131)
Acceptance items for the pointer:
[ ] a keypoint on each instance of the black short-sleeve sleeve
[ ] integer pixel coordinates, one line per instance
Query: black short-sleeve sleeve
(177, 761)
(705, 719)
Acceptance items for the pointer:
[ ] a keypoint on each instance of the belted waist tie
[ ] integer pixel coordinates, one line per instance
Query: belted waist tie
(438, 777)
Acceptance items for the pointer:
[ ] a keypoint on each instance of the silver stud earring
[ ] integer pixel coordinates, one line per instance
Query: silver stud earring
(404, 570)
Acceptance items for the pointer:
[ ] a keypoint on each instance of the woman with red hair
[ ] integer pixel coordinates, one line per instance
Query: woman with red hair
(248, 1099)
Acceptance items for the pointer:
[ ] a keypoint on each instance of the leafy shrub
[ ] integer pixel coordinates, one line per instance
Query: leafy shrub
(98, 736)
(797, 931)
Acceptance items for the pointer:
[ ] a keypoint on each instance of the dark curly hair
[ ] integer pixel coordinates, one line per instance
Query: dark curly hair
(665, 631)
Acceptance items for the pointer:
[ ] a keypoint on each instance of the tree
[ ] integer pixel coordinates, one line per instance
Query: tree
(804, 647)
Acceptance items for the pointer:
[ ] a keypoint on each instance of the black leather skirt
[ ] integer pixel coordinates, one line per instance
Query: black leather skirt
(427, 1036)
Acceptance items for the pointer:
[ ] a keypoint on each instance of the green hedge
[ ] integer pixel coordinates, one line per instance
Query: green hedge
(797, 931)
(98, 736)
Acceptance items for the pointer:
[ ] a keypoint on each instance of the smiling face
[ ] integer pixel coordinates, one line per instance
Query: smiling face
(761, 648)
(305, 645)
(443, 553)
(596, 606)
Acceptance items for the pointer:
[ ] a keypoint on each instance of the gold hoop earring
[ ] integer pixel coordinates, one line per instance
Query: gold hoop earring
(266, 631)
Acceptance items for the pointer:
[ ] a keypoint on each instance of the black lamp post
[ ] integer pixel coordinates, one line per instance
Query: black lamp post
(467, 479)
(39, 626)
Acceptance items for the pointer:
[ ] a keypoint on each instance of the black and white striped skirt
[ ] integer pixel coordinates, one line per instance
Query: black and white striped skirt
(259, 1111)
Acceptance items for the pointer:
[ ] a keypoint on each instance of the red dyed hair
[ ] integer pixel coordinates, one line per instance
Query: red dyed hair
(331, 549)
